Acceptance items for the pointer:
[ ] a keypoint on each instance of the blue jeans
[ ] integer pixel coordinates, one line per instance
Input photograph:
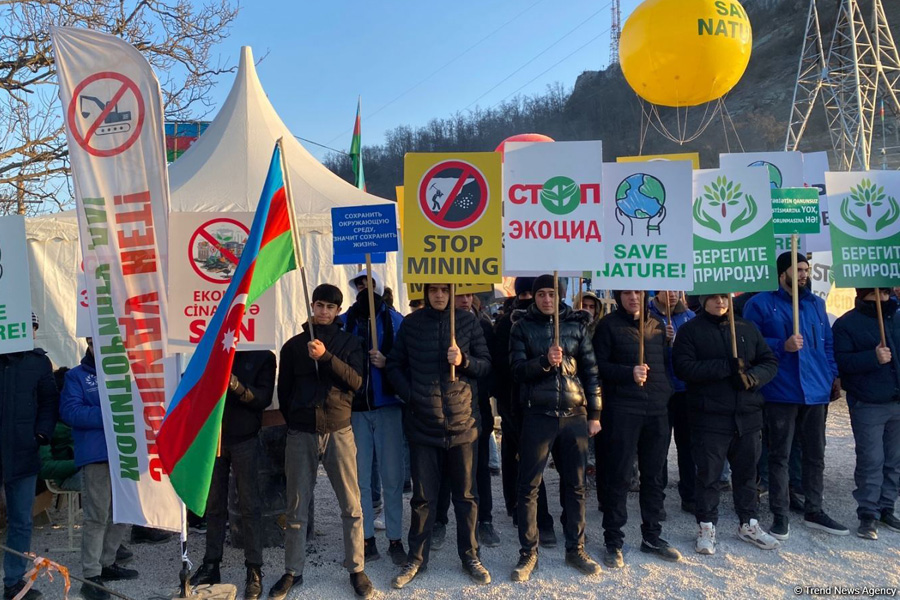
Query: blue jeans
(363, 424)
(379, 433)
(19, 502)
(876, 429)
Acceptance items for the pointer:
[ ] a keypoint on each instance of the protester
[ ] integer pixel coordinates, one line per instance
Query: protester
(377, 418)
(58, 457)
(726, 414)
(415, 305)
(870, 372)
(590, 303)
(560, 401)
(797, 399)
(29, 401)
(79, 406)
(249, 394)
(316, 382)
(635, 416)
(440, 422)
(669, 308)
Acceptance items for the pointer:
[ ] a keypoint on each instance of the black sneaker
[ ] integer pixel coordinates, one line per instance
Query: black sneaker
(781, 527)
(198, 527)
(547, 537)
(146, 535)
(397, 553)
(12, 591)
(487, 535)
(889, 520)
(115, 572)
(438, 535)
(528, 562)
(253, 587)
(579, 559)
(371, 550)
(867, 530)
(825, 523)
(662, 549)
(362, 585)
(123, 555)
(612, 558)
(284, 585)
(89, 592)
(407, 574)
(476, 571)
(207, 574)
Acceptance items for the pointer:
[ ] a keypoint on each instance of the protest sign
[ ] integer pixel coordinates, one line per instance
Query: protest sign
(734, 238)
(552, 212)
(361, 230)
(204, 251)
(692, 157)
(837, 300)
(416, 291)
(815, 165)
(865, 228)
(452, 218)
(649, 227)
(795, 210)
(15, 298)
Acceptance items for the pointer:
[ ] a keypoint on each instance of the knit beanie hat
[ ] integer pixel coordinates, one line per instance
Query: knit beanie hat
(523, 284)
(784, 261)
(546, 281)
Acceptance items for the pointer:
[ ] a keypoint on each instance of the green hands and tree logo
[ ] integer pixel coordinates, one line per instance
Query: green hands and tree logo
(560, 195)
(729, 207)
(867, 202)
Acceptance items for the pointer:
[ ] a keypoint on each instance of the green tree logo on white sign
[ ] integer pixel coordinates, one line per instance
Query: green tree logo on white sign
(866, 203)
(730, 209)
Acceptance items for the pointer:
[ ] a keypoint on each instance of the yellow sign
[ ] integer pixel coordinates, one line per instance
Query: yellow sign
(399, 190)
(694, 157)
(416, 291)
(451, 218)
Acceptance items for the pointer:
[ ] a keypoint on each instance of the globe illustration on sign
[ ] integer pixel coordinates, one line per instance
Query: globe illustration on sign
(775, 178)
(642, 198)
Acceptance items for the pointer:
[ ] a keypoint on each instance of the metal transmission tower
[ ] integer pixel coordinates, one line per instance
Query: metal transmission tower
(862, 64)
(615, 30)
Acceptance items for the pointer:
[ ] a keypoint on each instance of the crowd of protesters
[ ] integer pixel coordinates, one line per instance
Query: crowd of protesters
(742, 393)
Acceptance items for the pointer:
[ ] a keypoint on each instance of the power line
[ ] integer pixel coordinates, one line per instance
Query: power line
(321, 145)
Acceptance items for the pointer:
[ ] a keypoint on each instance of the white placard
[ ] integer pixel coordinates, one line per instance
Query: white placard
(15, 298)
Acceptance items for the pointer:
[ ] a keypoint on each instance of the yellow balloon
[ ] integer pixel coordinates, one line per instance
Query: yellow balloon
(685, 52)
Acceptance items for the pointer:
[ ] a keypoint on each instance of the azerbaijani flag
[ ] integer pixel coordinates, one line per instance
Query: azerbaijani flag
(356, 150)
(189, 436)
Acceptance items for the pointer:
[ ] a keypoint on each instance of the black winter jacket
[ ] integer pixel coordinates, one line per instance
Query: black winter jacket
(571, 389)
(616, 343)
(505, 390)
(29, 407)
(319, 400)
(702, 359)
(856, 335)
(439, 412)
(255, 371)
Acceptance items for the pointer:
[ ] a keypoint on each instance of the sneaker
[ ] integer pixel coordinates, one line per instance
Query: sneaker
(612, 558)
(407, 574)
(547, 538)
(371, 550)
(662, 549)
(688, 507)
(397, 553)
(115, 572)
(867, 530)
(33, 594)
(253, 586)
(123, 555)
(528, 562)
(889, 520)
(580, 559)
(146, 535)
(284, 585)
(781, 527)
(89, 592)
(198, 526)
(754, 534)
(476, 571)
(379, 523)
(362, 585)
(207, 574)
(487, 535)
(438, 535)
(825, 523)
(706, 539)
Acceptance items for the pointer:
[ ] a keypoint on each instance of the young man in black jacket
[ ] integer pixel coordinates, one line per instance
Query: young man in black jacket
(249, 393)
(636, 421)
(560, 400)
(725, 413)
(316, 385)
(440, 423)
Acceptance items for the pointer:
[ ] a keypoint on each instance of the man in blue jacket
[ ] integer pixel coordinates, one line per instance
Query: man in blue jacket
(79, 407)
(797, 399)
(870, 372)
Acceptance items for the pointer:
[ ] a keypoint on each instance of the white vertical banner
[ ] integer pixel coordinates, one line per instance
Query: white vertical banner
(15, 298)
(114, 125)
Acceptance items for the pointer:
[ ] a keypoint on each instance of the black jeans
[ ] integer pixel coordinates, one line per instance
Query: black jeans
(567, 439)
(680, 426)
(429, 466)
(710, 451)
(626, 436)
(784, 421)
(511, 427)
(243, 460)
(483, 495)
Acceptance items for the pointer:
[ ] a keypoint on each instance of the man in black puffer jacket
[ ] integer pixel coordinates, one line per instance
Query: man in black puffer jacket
(560, 400)
(725, 413)
(636, 422)
(440, 422)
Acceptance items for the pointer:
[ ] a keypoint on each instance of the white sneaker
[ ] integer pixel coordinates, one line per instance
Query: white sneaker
(754, 534)
(706, 539)
(379, 523)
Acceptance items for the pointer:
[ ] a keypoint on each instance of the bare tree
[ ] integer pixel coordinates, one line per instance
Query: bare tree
(176, 37)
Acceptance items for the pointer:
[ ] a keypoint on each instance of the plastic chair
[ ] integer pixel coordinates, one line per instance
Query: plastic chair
(71, 497)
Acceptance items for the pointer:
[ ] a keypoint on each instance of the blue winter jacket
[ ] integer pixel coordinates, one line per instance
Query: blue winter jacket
(774, 315)
(373, 377)
(680, 316)
(79, 407)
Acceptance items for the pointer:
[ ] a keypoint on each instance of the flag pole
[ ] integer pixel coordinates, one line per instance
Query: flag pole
(185, 574)
(373, 328)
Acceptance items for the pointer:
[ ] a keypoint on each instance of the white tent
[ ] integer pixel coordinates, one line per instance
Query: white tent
(223, 171)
